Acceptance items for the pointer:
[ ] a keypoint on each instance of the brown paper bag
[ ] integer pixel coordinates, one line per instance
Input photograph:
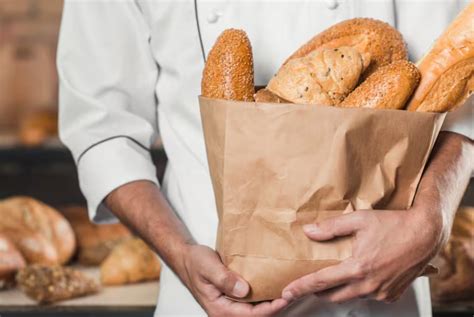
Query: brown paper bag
(275, 167)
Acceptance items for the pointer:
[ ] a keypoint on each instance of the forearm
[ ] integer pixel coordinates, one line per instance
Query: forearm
(444, 182)
(142, 207)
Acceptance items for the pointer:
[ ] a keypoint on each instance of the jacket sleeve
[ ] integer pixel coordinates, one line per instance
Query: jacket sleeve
(107, 114)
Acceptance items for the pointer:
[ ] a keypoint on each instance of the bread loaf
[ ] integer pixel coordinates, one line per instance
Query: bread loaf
(49, 284)
(389, 87)
(35, 128)
(94, 242)
(130, 262)
(322, 77)
(26, 219)
(447, 71)
(11, 261)
(456, 262)
(265, 95)
(228, 73)
(377, 39)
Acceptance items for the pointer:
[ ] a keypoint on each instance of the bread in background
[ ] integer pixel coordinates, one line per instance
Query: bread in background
(389, 87)
(377, 39)
(228, 73)
(129, 262)
(322, 77)
(11, 261)
(94, 242)
(39, 231)
(447, 71)
(37, 127)
(48, 284)
(266, 96)
(456, 262)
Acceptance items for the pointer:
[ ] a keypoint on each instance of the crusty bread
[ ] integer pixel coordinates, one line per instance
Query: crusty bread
(11, 261)
(322, 77)
(25, 219)
(389, 87)
(129, 262)
(228, 73)
(36, 127)
(49, 284)
(447, 71)
(383, 43)
(94, 242)
(266, 96)
(456, 261)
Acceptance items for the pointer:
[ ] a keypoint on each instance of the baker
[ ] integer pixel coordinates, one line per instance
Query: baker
(129, 69)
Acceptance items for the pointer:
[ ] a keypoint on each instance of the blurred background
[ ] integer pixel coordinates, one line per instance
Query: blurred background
(34, 163)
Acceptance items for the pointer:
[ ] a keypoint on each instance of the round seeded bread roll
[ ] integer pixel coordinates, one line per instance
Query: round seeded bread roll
(389, 87)
(228, 73)
(378, 39)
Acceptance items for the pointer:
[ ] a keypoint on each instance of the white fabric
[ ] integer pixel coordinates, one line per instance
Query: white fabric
(119, 60)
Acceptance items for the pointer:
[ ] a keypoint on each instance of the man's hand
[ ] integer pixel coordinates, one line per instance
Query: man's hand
(210, 281)
(142, 207)
(390, 250)
(392, 247)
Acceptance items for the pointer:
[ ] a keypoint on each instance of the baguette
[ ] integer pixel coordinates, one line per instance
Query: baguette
(447, 71)
(383, 43)
(389, 87)
(228, 73)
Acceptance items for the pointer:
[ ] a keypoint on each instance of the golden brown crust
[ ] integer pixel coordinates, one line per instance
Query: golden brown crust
(228, 73)
(381, 41)
(49, 284)
(26, 216)
(35, 128)
(129, 262)
(389, 87)
(94, 242)
(11, 261)
(323, 77)
(448, 69)
(266, 96)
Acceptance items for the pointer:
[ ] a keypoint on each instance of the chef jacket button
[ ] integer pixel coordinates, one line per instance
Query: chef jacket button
(332, 4)
(213, 17)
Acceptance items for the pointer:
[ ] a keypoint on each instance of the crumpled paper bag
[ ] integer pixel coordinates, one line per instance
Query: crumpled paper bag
(276, 167)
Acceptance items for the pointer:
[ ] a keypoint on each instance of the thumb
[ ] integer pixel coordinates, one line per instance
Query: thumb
(333, 227)
(228, 282)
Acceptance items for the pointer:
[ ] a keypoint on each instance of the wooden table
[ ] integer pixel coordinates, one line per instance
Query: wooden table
(126, 300)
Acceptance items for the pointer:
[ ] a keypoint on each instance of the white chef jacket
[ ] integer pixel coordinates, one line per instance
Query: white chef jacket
(128, 67)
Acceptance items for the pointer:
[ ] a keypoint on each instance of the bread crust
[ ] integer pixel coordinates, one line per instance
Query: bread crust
(448, 69)
(11, 261)
(228, 73)
(323, 77)
(389, 87)
(266, 96)
(25, 218)
(380, 40)
(129, 262)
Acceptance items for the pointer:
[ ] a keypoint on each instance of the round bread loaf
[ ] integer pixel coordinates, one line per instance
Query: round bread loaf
(11, 261)
(378, 39)
(27, 217)
(228, 73)
(389, 87)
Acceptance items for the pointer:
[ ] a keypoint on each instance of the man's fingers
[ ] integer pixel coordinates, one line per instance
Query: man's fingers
(321, 280)
(225, 280)
(346, 293)
(334, 227)
(262, 309)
